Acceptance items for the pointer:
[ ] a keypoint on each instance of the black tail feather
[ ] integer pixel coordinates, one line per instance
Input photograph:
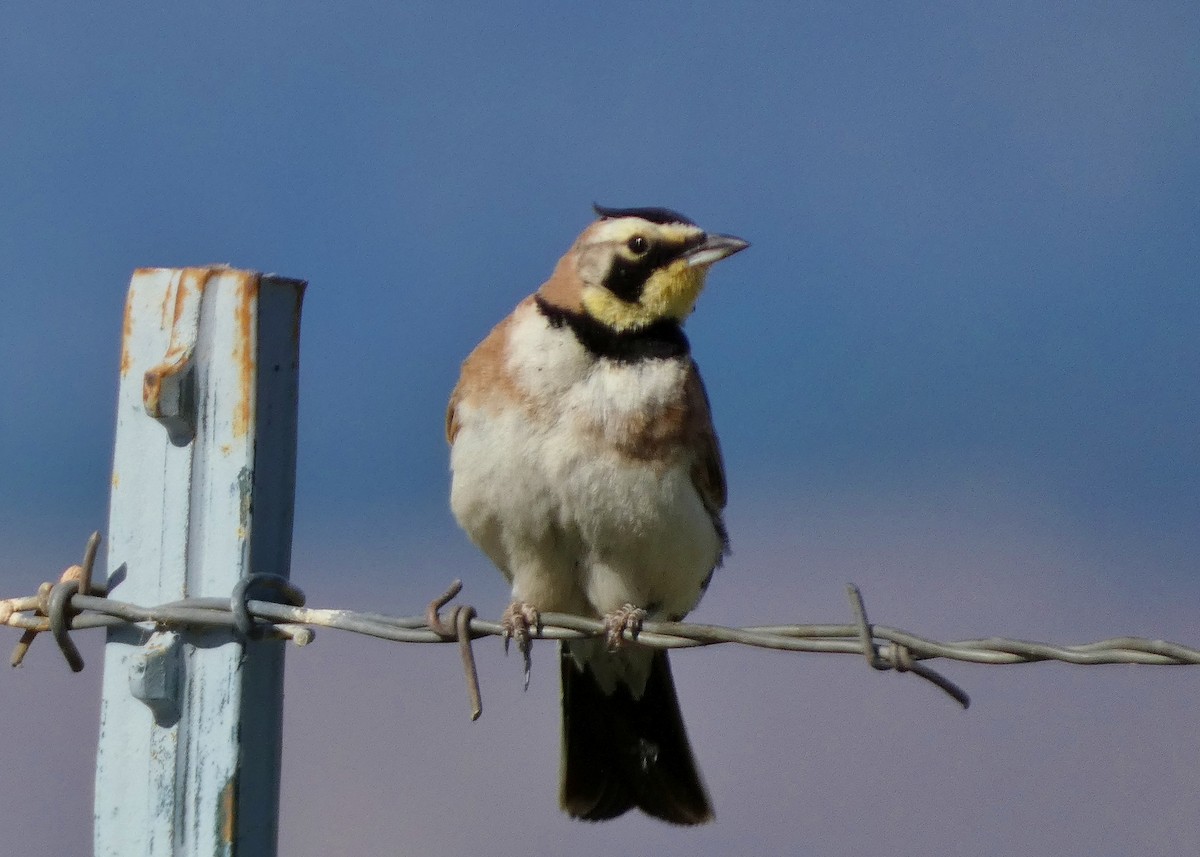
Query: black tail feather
(620, 752)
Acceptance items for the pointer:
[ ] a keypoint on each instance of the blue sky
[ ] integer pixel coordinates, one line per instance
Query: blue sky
(958, 365)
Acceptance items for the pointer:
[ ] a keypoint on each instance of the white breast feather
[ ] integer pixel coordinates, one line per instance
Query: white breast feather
(574, 524)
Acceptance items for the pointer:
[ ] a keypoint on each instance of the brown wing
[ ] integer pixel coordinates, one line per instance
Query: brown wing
(451, 414)
(708, 470)
(483, 372)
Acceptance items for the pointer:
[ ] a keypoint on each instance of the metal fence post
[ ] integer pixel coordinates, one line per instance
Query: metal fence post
(202, 495)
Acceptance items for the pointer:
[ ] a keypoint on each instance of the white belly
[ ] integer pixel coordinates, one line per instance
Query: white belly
(578, 527)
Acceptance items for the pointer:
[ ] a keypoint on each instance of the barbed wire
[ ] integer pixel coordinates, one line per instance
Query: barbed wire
(76, 603)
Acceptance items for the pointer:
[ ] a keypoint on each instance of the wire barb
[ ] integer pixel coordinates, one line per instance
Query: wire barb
(275, 585)
(59, 603)
(897, 657)
(54, 601)
(89, 560)
(458, 628)
(884, 648)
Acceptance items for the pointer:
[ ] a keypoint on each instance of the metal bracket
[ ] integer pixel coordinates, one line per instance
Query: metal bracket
(169, 389)
(156, 676)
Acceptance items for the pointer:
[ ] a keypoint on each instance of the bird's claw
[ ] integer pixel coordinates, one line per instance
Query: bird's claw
(521, 622)
(616, 623)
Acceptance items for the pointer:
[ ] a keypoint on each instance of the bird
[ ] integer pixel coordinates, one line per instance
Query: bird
(585, 465)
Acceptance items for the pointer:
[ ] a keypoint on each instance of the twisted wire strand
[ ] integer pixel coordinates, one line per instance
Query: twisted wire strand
(96, 612)
(66, 606)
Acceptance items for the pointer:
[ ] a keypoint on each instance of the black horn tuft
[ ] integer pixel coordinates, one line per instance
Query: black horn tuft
(654, 215)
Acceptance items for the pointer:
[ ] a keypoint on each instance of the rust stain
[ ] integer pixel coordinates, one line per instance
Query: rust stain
(116, 479)
(152, 389)
(169, 297)
(227, 812)
(184, 283)
(190, 281)
(243, 352)
(127, 328)
(184, 291)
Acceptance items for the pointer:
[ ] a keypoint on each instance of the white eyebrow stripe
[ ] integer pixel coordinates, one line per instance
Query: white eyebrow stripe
(622, 229)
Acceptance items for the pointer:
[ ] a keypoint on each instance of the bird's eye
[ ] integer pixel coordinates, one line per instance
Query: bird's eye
(638, 245)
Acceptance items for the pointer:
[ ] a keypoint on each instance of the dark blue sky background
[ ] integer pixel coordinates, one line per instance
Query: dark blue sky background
(960, 359)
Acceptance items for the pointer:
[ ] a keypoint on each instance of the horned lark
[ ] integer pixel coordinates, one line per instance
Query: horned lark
(585, 465)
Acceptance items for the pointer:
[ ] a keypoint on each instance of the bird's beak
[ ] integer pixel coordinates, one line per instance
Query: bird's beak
(714, 249)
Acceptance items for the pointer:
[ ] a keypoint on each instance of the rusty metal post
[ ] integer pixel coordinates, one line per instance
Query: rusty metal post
(202, 495)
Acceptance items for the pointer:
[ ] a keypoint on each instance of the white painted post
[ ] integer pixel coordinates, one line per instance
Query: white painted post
(202, 495)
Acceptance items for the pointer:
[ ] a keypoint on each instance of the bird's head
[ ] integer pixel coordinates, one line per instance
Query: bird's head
(635, 267)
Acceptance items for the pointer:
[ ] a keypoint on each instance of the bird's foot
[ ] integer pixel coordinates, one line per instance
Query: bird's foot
(520, 622)
(616, 623)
